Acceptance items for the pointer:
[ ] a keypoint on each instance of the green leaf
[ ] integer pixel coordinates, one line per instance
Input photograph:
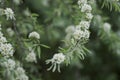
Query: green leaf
(87, 50)
(45, 46)
(110, 4)
(39, 51)
(35, 15)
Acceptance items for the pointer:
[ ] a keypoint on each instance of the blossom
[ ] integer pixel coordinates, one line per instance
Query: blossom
(84, 24)
(20, 74)
(10, 32)
(79, 34)
(86, 8)
(9, 13)
(81, 2)
(89, 16)
(106, 27)
(70, 29)
(6, 49)
(9, 64)
(59, 58)
(2, 39)
(22, 77)
(56, 61)
(86, 34)
(19, 71)
(31, 57)
(34, 35)
(78, 27)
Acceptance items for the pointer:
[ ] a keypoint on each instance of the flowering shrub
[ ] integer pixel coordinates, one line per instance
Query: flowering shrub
(40, 36)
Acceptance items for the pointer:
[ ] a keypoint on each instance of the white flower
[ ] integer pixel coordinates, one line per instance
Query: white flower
(86, 8)
(9, 13)
(6, 49)
(19, 71)
(78, 34)
(2, 40)
(20, 74)
(31, 57)
(84, 24)
(56, 61)
(78, 27)
(9, 64)
(106, 27)
(81, 2)
(10, 32)
(86, 34)
(89, 16)
(58, 58)
(22, 77)
(70, 29)
(34, 35)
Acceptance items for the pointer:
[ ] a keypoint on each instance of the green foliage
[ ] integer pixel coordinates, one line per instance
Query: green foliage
(111, 4)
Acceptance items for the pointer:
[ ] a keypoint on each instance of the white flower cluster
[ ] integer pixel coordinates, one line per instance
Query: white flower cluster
(6, 49)
(79, 34)
(89, 16)
(81, 31)
(9, 64)
(56, 61)
(31, 57)
(9, 14)
(2, 38)
(86, 8)
(106, 27)
(58, 58)
(34, 34)
(10, 32)
(20, 74)
(81, 2)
